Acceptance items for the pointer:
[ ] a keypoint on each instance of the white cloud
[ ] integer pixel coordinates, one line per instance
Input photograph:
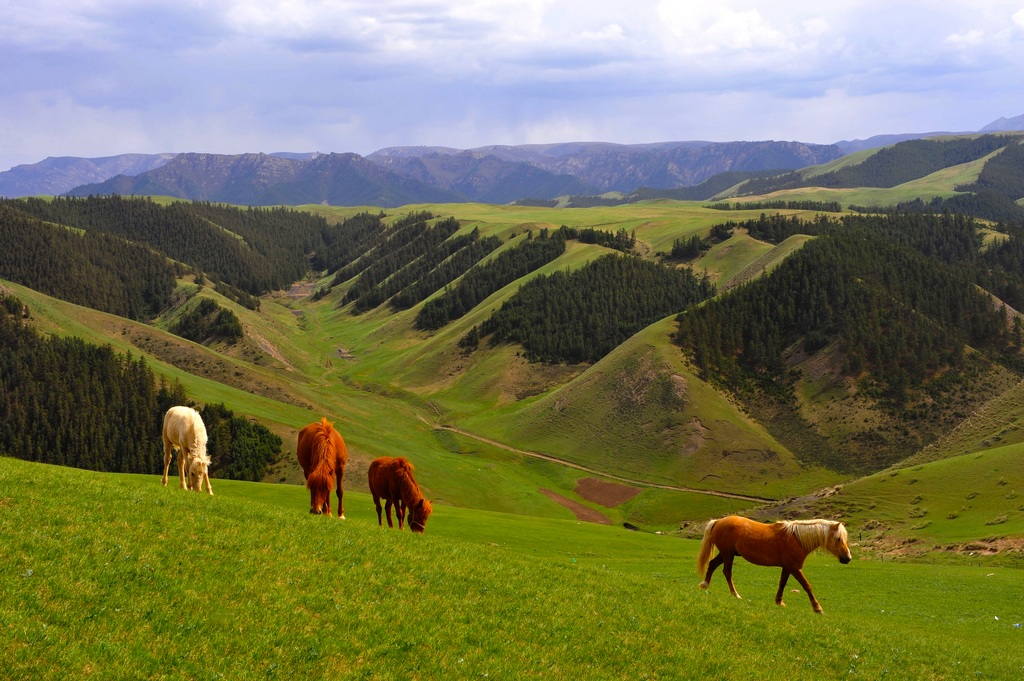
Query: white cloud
(353, 75)
(969, 38)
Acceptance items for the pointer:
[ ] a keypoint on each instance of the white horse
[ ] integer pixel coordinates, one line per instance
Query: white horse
(184, 431)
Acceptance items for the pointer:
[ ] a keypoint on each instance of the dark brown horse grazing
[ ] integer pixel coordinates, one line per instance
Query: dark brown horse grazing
(783, 544)
(391, 480)
(322, 454)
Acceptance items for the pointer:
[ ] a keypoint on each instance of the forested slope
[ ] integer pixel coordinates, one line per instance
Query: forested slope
(896, 301)
(68, 402)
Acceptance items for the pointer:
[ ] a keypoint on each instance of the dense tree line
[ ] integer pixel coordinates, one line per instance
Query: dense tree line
(914, 159)
(67, 402)
(580, 316)
(240, 449)
(207, 322)
(348, 241)
(89, 268)
(987, 205)
(414, 249)
(688, 249)
(953, 238)
(768, 184)
(896, 312)
(384, 242)
(457, 264)
(620, 240)
(1001, 267)
(1002, 174)
(485, 279)
(254, 249)
(908, 161)
(825, 206)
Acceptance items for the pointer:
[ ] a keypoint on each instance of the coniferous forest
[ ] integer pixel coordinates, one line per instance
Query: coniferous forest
(255, 249)
(482, 281)
(67, 402)
(898, 297)
(581, 316)
(89, 268)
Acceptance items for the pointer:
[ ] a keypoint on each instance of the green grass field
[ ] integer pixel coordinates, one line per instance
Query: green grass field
(953, 500)
(114, 576)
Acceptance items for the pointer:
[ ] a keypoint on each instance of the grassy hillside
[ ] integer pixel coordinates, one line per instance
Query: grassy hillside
(969, 505)
(376, 419)
(939, 169)
(143, 581)
(474, 424)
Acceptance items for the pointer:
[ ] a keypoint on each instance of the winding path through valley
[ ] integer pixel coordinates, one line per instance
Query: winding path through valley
(603, 474)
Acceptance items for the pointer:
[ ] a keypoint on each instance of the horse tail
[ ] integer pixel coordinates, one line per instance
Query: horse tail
(706, 545)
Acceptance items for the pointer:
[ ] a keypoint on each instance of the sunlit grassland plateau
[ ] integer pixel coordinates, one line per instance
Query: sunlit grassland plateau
(131, 579)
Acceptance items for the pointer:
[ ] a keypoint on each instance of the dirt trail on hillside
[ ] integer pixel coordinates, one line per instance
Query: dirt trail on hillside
(603, 474)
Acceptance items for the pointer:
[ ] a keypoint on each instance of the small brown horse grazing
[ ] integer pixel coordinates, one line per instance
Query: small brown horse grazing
(322, 454)
(784, 544)
(391, 480)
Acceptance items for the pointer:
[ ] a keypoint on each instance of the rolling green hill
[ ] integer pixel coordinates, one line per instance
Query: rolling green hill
(645, 416)
(977, 174)
(115, 576)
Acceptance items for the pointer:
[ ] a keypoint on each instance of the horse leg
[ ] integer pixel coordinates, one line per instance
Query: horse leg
(341, 494)
(206, 479)
(167, 459)
(712, 566)
(376, 502)
(387, 510)
(181, 467)
(807, 587)
(727, 570)
(782, 586)
(400, 512)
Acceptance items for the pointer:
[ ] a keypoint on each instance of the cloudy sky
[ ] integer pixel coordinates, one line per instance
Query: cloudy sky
(103, 77)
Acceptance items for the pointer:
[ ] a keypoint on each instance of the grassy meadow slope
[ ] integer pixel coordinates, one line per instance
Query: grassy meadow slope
(489, 430)
(931, 183)
(940, 184)
(138, 580)
(971, 504)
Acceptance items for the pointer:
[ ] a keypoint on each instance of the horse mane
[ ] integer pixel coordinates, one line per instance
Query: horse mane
(812, 534)
(408, 489)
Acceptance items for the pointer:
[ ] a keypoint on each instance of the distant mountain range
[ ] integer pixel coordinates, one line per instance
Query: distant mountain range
(402, 175)
(398, 176)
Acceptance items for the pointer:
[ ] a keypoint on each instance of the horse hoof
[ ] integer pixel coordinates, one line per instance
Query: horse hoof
(341, 517)
(703, 585)
(781, 604)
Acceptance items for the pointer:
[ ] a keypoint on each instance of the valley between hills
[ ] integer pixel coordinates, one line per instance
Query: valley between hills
(788, 416)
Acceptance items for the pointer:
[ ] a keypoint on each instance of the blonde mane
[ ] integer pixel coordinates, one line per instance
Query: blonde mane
(813, 534)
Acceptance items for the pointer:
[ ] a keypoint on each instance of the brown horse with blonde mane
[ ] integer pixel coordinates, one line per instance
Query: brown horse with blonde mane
(391, 480)
(322, 454)
(784, 544)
